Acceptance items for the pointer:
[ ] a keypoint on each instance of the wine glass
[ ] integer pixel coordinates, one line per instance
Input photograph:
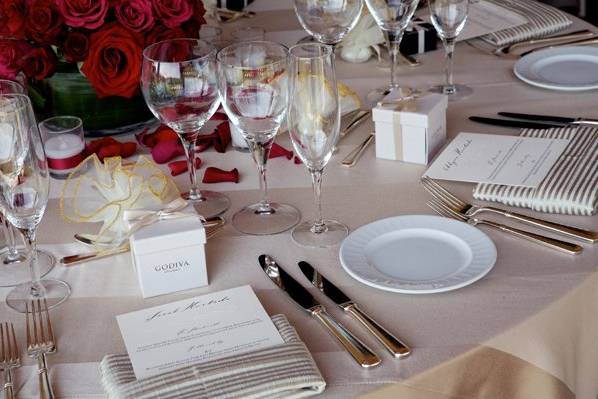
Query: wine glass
(448, 18)
(253, 86)
(328, 21)
(13, 270)
(179, 84)
(392, 16)
(24, 189)
(314, 122)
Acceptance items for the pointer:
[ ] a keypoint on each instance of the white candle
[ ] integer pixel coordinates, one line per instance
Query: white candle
(63, 146)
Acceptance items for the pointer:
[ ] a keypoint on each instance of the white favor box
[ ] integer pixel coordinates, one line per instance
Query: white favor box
(169, 256)
(412, 130)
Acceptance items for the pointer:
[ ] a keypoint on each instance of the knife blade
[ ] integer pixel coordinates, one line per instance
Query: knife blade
(359, 117)
(394, 345)
(514, 123)
(549, 118)
(357, 349)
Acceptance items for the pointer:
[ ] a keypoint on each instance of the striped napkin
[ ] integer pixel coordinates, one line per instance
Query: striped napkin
(571, 186)
(283, 371)
(543, 20)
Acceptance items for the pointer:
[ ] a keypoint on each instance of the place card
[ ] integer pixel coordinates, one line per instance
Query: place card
(497, 159)
(207, 327)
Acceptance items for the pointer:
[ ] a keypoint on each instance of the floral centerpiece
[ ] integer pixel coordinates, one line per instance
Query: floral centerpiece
(83, 57)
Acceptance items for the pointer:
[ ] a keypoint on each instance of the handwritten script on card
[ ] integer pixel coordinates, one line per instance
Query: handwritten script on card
(497, 159)
(195, 330)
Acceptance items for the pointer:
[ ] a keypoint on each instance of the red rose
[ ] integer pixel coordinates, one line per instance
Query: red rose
(39, 63)
(135, 15)
(75, 46)
(173, 13)
(44, 22)
(161, 33)
(113, 65)
(88, 14)
(11, 52)
(12, 18)
(199, 12)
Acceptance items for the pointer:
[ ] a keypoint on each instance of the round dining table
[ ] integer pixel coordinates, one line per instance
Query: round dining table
(528, 329)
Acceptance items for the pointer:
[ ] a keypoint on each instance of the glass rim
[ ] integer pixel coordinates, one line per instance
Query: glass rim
(67, 130)
(227, 65)
(328, 51)
(212, 51)
(14, 82)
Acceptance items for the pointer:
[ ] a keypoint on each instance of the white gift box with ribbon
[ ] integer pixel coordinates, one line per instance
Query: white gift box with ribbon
(410, 130)
(169, 255)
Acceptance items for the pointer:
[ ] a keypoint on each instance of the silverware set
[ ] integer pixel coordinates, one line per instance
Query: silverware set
(361, 353)
(447, 204)
(40, 342)
(533, 121)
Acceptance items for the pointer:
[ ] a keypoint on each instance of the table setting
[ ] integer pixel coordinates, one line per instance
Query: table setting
(253, 199)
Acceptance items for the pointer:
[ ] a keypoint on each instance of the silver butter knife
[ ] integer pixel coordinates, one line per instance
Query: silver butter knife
(361, 353)
(392, 343)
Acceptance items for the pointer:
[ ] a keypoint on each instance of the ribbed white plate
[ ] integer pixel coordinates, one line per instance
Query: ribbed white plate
(417, 254)
(570, 68)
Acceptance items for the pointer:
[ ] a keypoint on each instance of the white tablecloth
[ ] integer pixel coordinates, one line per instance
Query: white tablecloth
(526, 281)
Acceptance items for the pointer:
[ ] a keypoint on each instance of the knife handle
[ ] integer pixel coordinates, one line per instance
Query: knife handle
(361, 353)
(392, 343)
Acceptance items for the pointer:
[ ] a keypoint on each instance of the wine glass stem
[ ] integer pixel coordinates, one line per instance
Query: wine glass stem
(316, 181)
(449, 47)
(9, 233)
(194, 191)
(37, 290)
(260, 152)
(393, 41)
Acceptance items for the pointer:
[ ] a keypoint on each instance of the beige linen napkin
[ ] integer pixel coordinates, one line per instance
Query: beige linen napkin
(571, 186)
(283, 371)
(542, 19)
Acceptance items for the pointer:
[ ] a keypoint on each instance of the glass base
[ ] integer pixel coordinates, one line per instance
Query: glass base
(55, 292)
(211, 204)
(7, 259)
(378, 94)
(459, 92)
(19, 273)
(240, 149)
(252, 220)
(334, 233)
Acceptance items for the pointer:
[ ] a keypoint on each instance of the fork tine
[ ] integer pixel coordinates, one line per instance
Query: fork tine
(41, 322)
(27, 326)
(15, 349)
(34, 322)
(433, 189)
(48, 323)
(447, 194)
(454, 214)
(2, 352)
(438, 210)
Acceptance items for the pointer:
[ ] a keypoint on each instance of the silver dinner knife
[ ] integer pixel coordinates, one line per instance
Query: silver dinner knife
(550, 118)
(392, 343)
(361, 353)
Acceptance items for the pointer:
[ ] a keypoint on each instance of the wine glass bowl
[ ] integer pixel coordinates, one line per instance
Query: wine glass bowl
(179, 84)
(328, 21)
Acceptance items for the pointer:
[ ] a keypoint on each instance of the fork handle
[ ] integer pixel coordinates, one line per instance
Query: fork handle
(553, 243)
(586, 235)
(8, 387)
(45, 388)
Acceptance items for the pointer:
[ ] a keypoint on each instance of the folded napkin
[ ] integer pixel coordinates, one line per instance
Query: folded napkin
(571, 186)
(542, 19)
(283, 371)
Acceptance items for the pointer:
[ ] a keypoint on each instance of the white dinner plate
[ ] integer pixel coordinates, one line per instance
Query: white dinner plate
(417, 254)
(570, 68)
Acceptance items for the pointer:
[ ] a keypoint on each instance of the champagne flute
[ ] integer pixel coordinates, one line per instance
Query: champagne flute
(24, 190)
(178, 82)
(448, 18)
(314, 124)
(253, 87)
(392, 16)
(328, 21)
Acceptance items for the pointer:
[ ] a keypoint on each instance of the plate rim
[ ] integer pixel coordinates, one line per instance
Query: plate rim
(492, 263)
(536, 55)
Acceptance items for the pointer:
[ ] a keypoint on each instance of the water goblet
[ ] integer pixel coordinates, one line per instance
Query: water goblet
(253, 85)
(24, 189)
(448, 18)
(314, 124)
(178, 82)
(328, 21)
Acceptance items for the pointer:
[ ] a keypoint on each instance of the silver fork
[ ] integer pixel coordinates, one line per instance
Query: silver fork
(444, 210)
(9, 356)
(472, 210)
(40, 342)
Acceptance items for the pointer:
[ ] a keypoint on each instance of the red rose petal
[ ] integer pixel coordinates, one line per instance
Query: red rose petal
(279, 151)
(165, 151)
(128, 149)
(178, 167)
(203, 144)
(215, 175)
(219, 116)
(297, 160)
(222, 138)
(110, 150)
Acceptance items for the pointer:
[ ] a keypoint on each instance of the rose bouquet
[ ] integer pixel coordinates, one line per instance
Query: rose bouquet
(85, 55)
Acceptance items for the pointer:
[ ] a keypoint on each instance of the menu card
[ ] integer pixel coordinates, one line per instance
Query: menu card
(496, 159)
(207, 327)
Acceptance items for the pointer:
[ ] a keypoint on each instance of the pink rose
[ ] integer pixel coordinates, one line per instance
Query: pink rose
(172, 13)
(11, 52)
(88, 14)
(135, 15)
